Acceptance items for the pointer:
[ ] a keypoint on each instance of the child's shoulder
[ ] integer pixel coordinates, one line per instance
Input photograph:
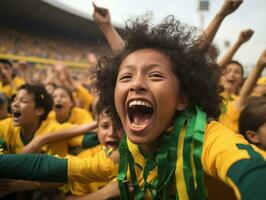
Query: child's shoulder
(215, 128)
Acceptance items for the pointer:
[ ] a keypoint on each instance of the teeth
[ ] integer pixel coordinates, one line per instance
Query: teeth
(140, 102)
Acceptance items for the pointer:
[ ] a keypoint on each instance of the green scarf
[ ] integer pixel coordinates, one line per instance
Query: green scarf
(194, 120)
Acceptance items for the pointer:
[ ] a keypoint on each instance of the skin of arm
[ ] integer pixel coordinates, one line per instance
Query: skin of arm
(228, 7)
(111, 190)
(251, 80)
(50, 75)
(101, 17)
(244, 36)
(37, 142)
(8, 186)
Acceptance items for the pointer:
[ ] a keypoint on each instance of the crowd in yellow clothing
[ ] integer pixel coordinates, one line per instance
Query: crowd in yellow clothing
(158, 122)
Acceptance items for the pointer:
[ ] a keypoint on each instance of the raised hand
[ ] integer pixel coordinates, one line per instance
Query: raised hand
(230, 6)
(245, 35)
(101, 16)
(262, 60)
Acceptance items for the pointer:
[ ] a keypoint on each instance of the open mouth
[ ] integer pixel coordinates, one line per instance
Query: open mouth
(16, 114)
(231, 81)
(58, 106)
(112, 144)
(139, 113)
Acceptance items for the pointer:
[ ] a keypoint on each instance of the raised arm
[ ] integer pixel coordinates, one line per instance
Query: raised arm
(228, 7)
(251, 80)
(37, 142)
(244, 36)
(102, 18)
(48, 168)
(34, 167)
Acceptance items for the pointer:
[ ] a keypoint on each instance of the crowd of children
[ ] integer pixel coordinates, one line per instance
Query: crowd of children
(163, 115)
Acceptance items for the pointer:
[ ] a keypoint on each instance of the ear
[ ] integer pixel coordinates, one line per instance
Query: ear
(252, 136)
(181, 103)
(39, 111)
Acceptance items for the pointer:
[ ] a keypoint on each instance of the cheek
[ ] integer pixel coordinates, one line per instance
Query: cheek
(102, 137)
(119, 96)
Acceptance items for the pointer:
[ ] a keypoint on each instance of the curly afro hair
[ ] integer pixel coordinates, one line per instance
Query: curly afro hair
(199, 78)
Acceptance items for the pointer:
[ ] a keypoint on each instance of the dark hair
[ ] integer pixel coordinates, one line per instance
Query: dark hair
(6, 62)
(3, 99)
(253, 115)
(41, 98)
(68, 91)
(199, 79)
(239, 64)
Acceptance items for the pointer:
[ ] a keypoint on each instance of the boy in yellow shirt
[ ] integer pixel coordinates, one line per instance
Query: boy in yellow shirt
(30, 108)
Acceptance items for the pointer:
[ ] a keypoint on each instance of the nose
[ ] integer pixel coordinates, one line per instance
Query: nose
(138, 84)
(14, 103)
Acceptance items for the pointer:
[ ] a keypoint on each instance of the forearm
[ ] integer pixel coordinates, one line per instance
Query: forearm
(229, 54)
(33, 167)
(209, 33)
(92, 196)
(249, 85)
(114, 40)
(67, 133)
(249, 178)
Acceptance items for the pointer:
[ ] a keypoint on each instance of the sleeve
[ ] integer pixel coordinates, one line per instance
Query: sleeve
(226, 156)
(83, 94)
(92, 169)
(90, 140)
(5, 129)
(35, 167)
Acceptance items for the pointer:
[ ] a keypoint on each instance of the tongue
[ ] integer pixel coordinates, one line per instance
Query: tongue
(140, 119)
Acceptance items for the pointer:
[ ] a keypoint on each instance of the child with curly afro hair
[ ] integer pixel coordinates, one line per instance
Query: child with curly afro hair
(165, 93)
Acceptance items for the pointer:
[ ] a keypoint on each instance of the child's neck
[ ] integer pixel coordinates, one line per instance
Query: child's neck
(151, 147)
(29, 130)
(62, 117)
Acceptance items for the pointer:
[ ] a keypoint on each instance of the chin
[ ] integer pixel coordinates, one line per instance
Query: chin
(138, 140)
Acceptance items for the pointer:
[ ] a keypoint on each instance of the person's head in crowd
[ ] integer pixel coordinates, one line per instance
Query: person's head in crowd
(31, 105)
(260, 88)
(159, 73)
(108, 135)
(3, 106)
(232, 77)
(61, 72)
(63, 103)
(252, 121)
(92, 58)
(6, 71)
(50, 87)
(37, 76)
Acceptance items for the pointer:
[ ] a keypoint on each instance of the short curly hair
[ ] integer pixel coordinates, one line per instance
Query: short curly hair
(199, 78)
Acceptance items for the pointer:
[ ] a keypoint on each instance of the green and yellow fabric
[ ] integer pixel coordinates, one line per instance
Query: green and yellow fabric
(190, 148)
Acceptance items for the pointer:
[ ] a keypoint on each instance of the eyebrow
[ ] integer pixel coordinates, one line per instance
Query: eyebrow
(149, 66)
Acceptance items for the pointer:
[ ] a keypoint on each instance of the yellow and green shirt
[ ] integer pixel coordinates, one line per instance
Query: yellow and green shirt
(225, 155)
(78, 116)
(14, 141)
(8, 90)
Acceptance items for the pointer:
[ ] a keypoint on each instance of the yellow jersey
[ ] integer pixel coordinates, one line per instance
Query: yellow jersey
(221, 150)
(13, 138)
